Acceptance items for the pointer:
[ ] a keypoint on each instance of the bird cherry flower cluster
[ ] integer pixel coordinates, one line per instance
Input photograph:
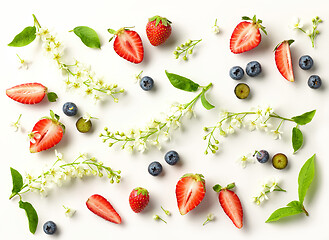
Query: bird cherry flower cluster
(186, 48)
(257, 118)
(310, 33)
(268, 186)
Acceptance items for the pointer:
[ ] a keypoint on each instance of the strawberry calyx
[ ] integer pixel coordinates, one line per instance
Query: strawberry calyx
(55, 119)
(118, 32)
(218, 188)
(290, 41)
(197, 177)
(157, 20)
(142, 191)
(256, 22)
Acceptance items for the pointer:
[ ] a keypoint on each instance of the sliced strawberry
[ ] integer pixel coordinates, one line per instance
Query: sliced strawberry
(27, 93)
(128, 45)
(246, 35)
(231, 204)
(283, 60)
(101, 207)
(46, 133)
(190, 191)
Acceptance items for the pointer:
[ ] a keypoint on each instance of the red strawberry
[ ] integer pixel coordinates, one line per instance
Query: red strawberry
(128, 45)
(190, 191)
(230, 203)
(101, 207)
(138, 199)
(246, 35)
(158, 30)
(28, 93)
(46, 133)
(283, 60)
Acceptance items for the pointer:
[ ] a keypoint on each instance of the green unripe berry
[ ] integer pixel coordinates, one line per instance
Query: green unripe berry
(185, 58)
(190, 51)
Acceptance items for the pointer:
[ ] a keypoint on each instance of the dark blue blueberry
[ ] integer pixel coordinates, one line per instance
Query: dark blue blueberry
(305, 62)
(49, 227)
(171, 157)
(262, 156)
(253, 69)
(314, 81)
(146, 83)
(236, 73)
(155, 168)
(70, 109)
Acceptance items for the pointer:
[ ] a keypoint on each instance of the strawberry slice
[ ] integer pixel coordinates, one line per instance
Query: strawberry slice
(101, 207)
(283, 60)
(190, 191)
(128, 45)
(246, 35)
(46, 133)
(27, 93)
(230, 203)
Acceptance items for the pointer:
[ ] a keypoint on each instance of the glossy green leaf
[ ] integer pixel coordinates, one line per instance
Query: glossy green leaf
(17, 181)
(31, 214)
(88, 36)
(182, 83)
(205, 102)
(52, 97)
(305, 178)
(304, 118)
(283, 212)
(24, 38)
(297, 139)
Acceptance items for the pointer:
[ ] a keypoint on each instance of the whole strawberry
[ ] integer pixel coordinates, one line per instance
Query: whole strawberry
(158, 30)
(138, 199)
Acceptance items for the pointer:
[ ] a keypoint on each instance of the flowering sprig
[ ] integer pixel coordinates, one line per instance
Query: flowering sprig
(16, 125)
(259, 119)
(210, 217)
(270, 185)
(157, 217)
(245, 159)
(310, 33)
(186, 48)
(215, 27)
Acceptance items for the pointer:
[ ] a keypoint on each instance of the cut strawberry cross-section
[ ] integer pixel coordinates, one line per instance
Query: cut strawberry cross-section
(283, 60)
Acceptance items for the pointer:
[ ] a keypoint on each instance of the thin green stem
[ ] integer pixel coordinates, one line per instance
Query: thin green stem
(36, 21)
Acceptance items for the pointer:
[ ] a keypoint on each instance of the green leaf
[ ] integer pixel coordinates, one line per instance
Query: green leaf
(88, 36)
(297, 139)
(205, 102)
(182, 83)
(31, 214)
(24, 38)
(112, 31)
(305, 178)
(304, 118)
(217, 188)
(52, 114)
(246, 18)
(283, 212)
(52, 97)
(17, 181)
(295, 204)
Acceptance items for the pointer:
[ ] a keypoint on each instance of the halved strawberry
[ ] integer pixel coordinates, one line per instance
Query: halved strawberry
(128, 45)
(246, 35)
(190, 191)
(101, 207)
(283, 60)
(46, 133)
(27, 93)
(230, 203)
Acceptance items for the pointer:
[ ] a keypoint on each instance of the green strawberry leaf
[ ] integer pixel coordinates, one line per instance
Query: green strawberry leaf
(31, 214)
(52, 97)
(205, 102)
(284, 212)
(88, 36)
(182, 83)
(305, 178)
(297, 139)
(217, 188)
(17, 182)
(304, 118)
(24, 38)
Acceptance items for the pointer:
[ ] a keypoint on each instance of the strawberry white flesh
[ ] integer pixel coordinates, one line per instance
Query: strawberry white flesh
(49, 134)
(245, 37)
(102, 208)
(190, 191)
(129, 46)
(28, 93)
(283, 61)
(232, 206)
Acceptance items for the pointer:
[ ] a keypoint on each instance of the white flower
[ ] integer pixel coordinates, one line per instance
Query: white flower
(58, 155)
(165, 136)
(155, 143)
(43, 33)
(276, 134)
(23, 64)
(34, 136)
(16, 125)
(69, 212)
(190, 113)
(236, 122)
(252, 125)
(297, 23)
(215, 28)
(246, 159)
(308, 32)
(87, 117)
(263, 126)
(223, 114)
(230, 130)
(137, 77)
(140, 145)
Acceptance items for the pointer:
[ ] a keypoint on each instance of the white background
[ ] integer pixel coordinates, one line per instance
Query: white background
(210, 63)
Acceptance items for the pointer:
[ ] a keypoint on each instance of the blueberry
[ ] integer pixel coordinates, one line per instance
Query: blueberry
(314, 81)
(155, 168)
(49, 227)
(171, 157)
(262, 156)
(70, 109)
(253, 68)
(305, 62)
(236, 73)
(146, 83)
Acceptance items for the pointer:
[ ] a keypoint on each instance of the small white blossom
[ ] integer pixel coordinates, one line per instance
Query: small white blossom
(23, 64)
(308, 32)
(137, 77)
(251, 125)
(276, 134)
(297, 23)
(16, 125)
(58, 155)
(87, 117)
(69, 212)
(34, 136)
(244, 160)
(215, 28)
(263, 126)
